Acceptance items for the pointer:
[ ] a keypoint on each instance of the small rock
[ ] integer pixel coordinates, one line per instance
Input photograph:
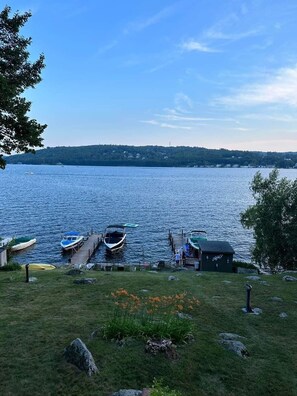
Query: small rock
(95, 333)
(276, 299)
(90, 266)
(163, 345)
(182, 315)
(85, 281)
(32, 279)
(126, 342)
(77, 266)
(78, 354)
(144, 291)
(255, 311)
(283, 315)
(128, 392)
(172, 278)
(253, 277)
(265, 283)
(229, 336)
(289, 278)
(74, 271)
(226, 281)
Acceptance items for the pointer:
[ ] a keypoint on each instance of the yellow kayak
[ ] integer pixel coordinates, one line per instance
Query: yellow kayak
(37, 266)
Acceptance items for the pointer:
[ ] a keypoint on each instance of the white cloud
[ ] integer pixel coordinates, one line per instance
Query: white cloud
(240, 129)
(268, 117)
(233, 36)
(192, 45)
(165, 125)
(230, 28)
(183, 103)
(153, 20)
(281, 88)
(108, 47)
(176, 117)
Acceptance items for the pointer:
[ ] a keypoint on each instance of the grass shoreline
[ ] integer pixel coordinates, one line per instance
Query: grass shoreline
(38, 320)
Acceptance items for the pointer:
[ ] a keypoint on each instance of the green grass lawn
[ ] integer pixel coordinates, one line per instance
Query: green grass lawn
(38, 320)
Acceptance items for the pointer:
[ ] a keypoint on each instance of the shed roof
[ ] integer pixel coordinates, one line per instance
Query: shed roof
(216, 247)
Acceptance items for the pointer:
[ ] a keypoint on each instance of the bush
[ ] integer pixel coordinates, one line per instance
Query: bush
(242, 264)
(158, 389)
(154, 317)
(11, 267)
(273, 220)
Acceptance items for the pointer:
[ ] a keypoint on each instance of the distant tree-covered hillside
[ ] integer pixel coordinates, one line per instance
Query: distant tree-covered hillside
(120, 155)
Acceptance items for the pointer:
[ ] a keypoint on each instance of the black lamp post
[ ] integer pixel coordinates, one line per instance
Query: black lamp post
(27, 273)
(248, 298)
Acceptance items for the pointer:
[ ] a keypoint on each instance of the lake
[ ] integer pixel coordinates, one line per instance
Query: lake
(45, 201)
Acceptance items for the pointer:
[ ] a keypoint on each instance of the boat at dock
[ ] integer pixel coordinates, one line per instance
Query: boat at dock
(71, 240)
(115, 236)
(17, 244)
(4, 241)
(195, 237)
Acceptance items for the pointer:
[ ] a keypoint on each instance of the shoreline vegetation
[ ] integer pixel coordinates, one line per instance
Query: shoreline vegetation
(155, 156)
(40, 319)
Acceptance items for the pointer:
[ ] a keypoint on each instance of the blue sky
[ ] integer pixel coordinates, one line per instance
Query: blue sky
(213, 73)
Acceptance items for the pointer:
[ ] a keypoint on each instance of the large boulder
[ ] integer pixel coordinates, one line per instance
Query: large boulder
(230, 342)
(128, 392)
(235, 346)
(78, 354)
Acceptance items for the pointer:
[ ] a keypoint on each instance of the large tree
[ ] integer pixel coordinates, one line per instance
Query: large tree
(273, 219)
(18, 133)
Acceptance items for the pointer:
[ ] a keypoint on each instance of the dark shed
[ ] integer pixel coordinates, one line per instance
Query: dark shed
(216, 256)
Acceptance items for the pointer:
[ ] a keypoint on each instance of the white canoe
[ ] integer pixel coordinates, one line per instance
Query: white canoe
(22, 245)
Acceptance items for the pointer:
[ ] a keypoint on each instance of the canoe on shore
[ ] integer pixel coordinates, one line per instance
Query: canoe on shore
(39, 266)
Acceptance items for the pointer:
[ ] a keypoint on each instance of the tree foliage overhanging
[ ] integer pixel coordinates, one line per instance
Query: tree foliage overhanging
(18, 132)
(273, 219)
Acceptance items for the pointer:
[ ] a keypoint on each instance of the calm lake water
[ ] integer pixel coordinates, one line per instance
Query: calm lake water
(45, 201)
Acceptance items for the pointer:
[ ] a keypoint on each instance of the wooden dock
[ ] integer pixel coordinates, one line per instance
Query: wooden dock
(177, 240)
(85, 252)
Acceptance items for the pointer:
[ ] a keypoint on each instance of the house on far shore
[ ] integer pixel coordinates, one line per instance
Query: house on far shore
(216, 256)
